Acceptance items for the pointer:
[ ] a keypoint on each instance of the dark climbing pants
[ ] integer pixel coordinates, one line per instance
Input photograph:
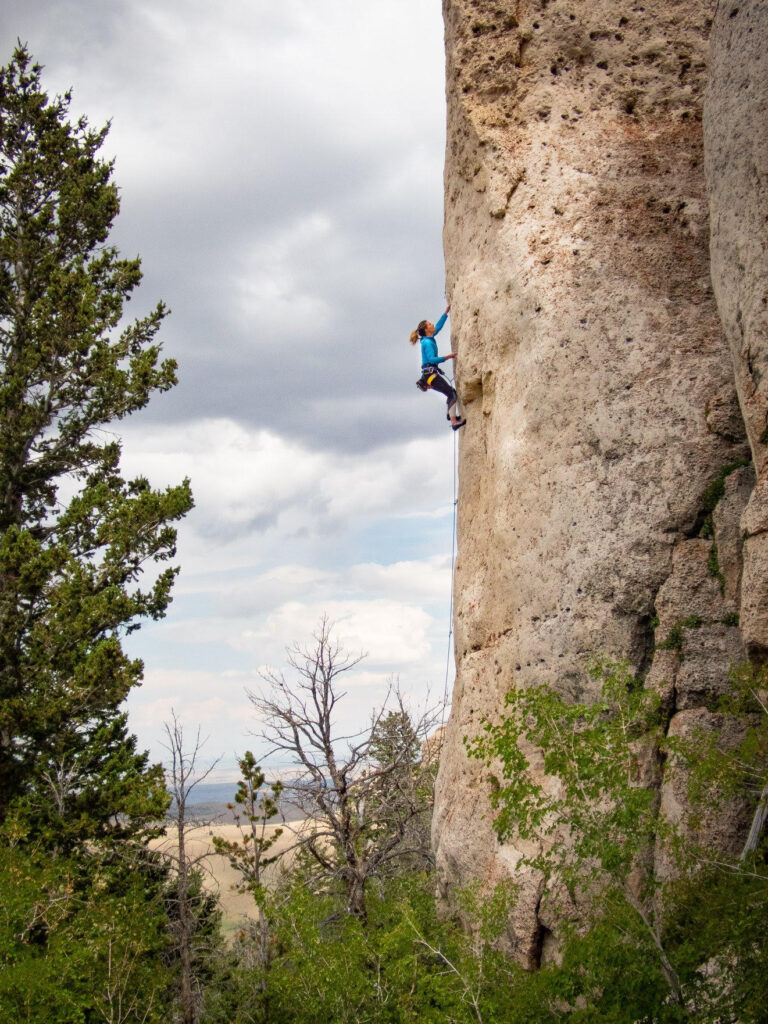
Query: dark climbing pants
(439, 383)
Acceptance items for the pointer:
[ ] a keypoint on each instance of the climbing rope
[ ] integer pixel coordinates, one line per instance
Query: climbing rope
(449, 650)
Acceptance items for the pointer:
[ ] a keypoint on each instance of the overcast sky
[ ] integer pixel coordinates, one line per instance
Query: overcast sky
(280, 166)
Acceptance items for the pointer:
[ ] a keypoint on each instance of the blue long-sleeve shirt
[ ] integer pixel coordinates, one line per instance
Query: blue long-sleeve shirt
(429, 356)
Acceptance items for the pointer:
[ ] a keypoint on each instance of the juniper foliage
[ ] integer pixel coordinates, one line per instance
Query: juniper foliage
(75, 536)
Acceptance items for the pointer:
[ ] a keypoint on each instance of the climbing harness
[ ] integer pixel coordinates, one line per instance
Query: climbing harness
(428, 374)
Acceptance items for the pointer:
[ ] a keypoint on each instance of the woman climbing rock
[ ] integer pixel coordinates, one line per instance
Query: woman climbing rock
(432, 377)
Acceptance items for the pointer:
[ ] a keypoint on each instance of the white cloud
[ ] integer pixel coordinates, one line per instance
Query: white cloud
(424, 581)
(215, 702)
(401, 643)
(389, 633)
(261, 619)
(253, 482)
(249, 591)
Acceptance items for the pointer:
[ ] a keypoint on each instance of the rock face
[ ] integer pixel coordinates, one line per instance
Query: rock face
(736, 160)
(596, 368)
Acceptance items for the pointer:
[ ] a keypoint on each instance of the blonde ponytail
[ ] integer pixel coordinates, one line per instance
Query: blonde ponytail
(414, 337)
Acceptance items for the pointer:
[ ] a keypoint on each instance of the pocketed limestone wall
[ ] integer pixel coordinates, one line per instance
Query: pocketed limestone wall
(597, 378)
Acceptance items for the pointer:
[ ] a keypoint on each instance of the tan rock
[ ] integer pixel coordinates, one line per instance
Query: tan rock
(691, 590)
(728, 530)
(755, 517)
(708, 652)
(592, 366)
(719, 825)
(662, 676)
(431, 747)
(736, 158)
(736, 133)
(754, 596)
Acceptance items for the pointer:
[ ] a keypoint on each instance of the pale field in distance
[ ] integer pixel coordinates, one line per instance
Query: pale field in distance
(219, 876)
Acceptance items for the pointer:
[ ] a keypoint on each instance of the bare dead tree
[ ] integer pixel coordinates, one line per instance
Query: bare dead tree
(359, 792)
(182, 776)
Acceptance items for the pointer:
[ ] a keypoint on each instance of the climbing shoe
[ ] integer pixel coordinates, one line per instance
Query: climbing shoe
(459, 424)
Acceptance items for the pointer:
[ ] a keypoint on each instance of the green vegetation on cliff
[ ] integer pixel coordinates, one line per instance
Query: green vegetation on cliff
(653, 926)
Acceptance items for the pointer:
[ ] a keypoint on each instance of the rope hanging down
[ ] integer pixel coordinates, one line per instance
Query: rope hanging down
(453, 567)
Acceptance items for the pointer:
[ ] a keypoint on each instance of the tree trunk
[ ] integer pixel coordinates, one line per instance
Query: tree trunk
(756, 828)
(356, 898)
(187, 999)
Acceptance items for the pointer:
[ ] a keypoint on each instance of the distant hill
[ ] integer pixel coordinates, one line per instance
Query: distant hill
(208, 802)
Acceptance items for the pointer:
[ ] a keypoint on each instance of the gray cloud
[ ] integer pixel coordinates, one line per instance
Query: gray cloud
(235, 132)
(280, 167)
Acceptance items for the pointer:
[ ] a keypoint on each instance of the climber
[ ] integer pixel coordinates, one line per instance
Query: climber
(432, 377)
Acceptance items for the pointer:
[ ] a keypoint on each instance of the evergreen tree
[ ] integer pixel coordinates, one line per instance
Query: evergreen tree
(402, 797)
(74, 535)
(80, 942)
